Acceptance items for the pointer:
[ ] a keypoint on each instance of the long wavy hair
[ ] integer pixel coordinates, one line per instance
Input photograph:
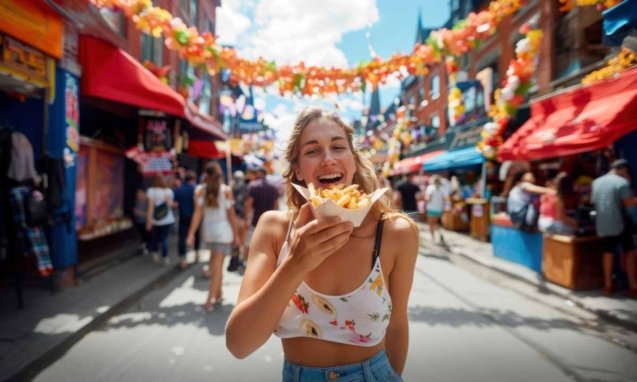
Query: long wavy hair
(212, 180)
(364, 175)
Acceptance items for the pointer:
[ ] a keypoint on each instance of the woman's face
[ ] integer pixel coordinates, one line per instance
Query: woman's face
(529, 178)
(325, 157)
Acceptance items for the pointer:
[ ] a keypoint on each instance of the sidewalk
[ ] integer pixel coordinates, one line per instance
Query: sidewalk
(50, 324)
(618, 309)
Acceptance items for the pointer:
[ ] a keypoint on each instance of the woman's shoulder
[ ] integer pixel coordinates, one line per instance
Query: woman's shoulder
(275, 218)
(399, 226)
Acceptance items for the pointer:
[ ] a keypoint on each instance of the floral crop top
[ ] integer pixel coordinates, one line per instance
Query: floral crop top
(356, 318)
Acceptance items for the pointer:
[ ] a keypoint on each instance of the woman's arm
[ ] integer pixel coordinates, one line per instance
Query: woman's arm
(266, 289)
(534, 189)
(232, 217)
(400, 280)
(150, 208)
(196, 217)
(561, 214)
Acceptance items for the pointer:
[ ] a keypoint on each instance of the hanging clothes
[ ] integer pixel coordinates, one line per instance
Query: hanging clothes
(33, 239)
(22, 166)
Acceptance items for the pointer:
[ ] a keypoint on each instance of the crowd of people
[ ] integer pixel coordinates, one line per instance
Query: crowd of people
(209, 216)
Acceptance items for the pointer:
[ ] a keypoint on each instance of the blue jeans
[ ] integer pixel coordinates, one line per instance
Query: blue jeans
(159, 237)
(375, 369)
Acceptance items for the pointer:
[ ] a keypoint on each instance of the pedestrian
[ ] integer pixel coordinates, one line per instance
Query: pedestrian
(611, 196)
(184, 197)
(214, 212)
(523, 200)
(553, 207)
(262, 197)
(240, 194)
(159, 217)
(139, 212)
(406, 195)
(435, 197)
(336, 295)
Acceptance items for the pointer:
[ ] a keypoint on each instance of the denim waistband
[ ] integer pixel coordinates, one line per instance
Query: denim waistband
(376, 368)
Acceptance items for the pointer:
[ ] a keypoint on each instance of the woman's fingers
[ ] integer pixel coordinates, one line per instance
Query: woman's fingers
(332, 231)
(305, 216)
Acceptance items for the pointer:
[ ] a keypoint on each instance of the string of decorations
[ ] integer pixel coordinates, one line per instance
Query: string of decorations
(201, 50)
(511, 95)
(601, 5)
(625, 59)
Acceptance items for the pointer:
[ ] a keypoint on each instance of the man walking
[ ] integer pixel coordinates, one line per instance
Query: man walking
(184, 196)
(406, 195)
(611, 195)
(262, 197)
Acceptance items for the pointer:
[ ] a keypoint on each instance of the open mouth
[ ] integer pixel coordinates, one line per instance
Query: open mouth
(330, 179)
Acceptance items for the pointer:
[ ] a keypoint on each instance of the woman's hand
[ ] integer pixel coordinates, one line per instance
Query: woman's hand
(190, 241)
(314, 240)
(149, 226)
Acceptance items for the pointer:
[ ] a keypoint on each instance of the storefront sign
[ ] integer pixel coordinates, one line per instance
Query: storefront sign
(158, 135)
(34, 23)
(151, 163)
(465, 135)
(72, 119)
(24, 60)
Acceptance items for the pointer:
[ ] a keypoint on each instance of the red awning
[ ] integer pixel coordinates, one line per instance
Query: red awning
(583, 119)
(205, 122)
(413, 164)
(111, 73)
(204, 149)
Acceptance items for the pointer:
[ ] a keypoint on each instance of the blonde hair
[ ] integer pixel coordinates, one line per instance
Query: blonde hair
(159, 181)
(364, 175)
(213, 183)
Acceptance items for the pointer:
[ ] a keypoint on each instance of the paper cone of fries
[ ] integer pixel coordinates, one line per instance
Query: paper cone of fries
(323, 202)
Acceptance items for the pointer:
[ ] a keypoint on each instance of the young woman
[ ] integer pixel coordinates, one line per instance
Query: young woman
(159, 217)
(435, 197)
(553, 217)
(336, 295)
(215, 206)
(520, 199)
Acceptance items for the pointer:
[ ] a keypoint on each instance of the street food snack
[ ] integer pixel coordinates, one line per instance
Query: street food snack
(348, 202)
(349, 197)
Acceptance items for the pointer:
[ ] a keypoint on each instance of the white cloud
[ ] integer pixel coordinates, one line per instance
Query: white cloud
(290, 31)
(231, 23)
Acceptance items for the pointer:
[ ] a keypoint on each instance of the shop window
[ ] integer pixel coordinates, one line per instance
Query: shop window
(193, 11)
(153, 49)
(206, 95)
(435, 86)
(421, 93)
(578, 41)
(184, 6)
(114, 19)
(434, 129)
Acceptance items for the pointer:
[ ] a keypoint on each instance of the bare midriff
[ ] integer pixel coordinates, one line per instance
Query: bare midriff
(318, 353)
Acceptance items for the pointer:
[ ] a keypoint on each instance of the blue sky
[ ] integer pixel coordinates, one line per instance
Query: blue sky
(326, 32)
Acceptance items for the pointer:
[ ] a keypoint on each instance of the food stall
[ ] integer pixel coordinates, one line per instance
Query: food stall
(580, 128)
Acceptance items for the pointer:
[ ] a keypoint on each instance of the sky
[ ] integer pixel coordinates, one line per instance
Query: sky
(327, 32)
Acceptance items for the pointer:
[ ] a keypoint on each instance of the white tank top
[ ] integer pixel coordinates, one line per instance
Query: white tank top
(358, 318)
(215, 227)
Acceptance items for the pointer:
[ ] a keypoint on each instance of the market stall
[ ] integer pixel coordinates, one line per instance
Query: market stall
(579, 130)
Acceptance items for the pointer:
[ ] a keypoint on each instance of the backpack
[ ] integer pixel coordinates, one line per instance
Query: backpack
(525, 218)
(35, 209)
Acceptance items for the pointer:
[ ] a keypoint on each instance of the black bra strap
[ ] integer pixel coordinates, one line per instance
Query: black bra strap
(377, 240)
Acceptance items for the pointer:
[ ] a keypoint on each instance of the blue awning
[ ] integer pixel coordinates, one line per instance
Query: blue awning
(469, 156)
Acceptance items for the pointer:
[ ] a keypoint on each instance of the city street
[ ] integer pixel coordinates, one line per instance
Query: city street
(467, 324)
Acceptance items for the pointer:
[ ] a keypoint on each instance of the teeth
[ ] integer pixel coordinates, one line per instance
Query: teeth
(329, 176)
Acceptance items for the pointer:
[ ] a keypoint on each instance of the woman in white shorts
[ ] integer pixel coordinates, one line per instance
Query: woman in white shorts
(214, 206)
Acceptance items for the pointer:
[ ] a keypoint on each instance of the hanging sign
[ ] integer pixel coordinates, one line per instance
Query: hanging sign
(158, 135)
(24, 61)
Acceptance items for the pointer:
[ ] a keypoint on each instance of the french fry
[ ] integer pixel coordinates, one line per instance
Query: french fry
(349, 197)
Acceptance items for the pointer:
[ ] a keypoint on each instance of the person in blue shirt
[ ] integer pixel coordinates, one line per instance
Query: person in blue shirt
(184, 196)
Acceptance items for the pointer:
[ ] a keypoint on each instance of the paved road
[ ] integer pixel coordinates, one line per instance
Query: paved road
(467, 324)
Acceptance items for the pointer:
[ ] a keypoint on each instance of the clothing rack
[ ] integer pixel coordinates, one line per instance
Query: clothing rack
(12, 260)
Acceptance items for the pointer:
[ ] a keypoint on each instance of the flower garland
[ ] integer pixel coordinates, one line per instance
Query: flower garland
(624, 60)
(515, 88)
(201, 50)
(567, 5)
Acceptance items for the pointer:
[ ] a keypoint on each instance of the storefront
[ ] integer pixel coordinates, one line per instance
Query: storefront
(465, 164)
(578, 130)
(39, 98)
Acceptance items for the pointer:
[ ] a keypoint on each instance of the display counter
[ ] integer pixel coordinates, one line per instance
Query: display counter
(455, 218)
(510, 243)
(479, 221)
(573, 262)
